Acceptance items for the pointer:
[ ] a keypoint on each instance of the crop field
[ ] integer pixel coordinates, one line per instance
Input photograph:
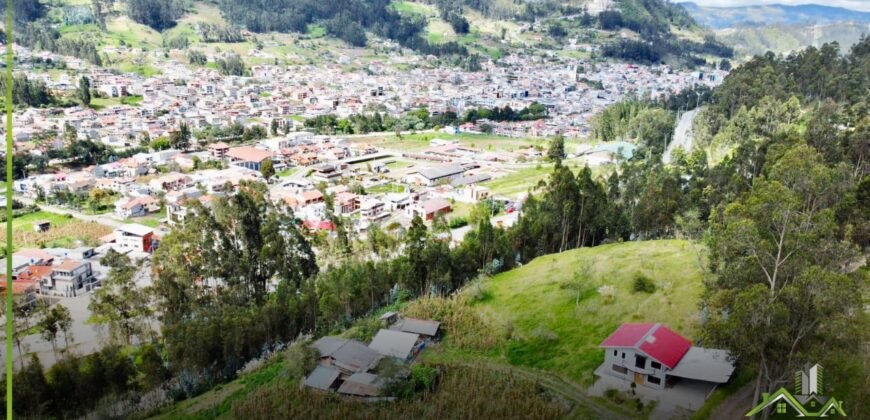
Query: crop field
(64, 231)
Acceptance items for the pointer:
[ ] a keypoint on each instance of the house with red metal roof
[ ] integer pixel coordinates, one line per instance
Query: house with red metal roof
(655, 356)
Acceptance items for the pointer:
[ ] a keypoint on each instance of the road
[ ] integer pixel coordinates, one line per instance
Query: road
(683, 136)
(103, 219)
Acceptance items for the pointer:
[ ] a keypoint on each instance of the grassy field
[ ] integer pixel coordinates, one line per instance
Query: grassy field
(556, 323)
(420, 141)
(64, 232)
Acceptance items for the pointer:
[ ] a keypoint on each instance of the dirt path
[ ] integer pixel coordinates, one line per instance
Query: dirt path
(735, 404)
(562, 387)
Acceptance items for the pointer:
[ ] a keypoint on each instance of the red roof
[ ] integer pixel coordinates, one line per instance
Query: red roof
(655, 340)
(627, 335)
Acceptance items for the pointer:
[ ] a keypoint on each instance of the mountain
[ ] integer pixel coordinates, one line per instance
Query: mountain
(740, 16)
(781, 38)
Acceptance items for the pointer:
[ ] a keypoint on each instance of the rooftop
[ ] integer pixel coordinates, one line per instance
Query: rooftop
(394, 343)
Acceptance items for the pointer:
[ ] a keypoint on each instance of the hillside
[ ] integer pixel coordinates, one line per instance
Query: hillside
(556, 313)
(523, 325)
(121, 34)
(783, 38)
(747, 16)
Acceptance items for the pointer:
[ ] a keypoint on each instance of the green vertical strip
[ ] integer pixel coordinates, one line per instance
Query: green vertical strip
(9, 301)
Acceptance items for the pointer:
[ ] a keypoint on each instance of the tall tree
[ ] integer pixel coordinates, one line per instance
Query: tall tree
(120, 304)
(85, 90)
(782, 295)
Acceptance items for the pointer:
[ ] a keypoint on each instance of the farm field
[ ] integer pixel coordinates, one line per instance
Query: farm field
(64, 232)
(420, 141)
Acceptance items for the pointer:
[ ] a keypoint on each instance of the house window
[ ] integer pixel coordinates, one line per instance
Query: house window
(654, 380)
(614, 353)
(620, 369)
(639, 361)
(623, 355)
(655, 365)
(781, 408)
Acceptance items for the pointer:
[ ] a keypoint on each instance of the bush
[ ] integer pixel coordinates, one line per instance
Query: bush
(643, 284)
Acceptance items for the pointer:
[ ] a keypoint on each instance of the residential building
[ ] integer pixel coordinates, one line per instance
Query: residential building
(135, 237)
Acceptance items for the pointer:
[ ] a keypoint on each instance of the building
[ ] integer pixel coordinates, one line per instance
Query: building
(135, 237)
(69, 276)
(324, 378)
(362, 385)
(654, 356)
(326, 173)
(248, 157)
(398, 344)
(136, 207)
(422, 327)
(429, 209)
(435, 175)
(218, 150)
(372, 209)
(348, 356)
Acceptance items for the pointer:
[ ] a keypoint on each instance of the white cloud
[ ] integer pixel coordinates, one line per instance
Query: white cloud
(863, 5)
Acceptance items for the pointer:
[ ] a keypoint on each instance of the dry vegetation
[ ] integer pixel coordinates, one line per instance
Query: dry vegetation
(463, 392)
(64, 231)
(465, 328)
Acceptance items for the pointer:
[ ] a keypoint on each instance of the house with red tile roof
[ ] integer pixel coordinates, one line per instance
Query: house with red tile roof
(655, 356)
(248, 157)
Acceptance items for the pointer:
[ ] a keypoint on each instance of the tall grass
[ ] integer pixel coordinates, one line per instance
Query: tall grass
(463, 392)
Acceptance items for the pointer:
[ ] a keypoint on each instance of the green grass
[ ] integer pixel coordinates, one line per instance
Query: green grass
(26, 222)
(385, 188)
(551, 332)
(316, 31)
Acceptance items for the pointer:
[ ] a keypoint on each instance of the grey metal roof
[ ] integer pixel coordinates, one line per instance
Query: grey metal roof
(322, 377)
(363, 384)
(418, 326)
(471, 179)
(328, 345)
(394, 343)
(355, 356)
(441, 171)
(711, 365)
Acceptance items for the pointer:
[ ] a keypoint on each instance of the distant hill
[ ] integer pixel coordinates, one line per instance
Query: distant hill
(780, 38)
(739, 16)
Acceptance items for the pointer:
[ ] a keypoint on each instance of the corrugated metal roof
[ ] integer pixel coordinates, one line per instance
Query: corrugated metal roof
(470, 179)
(711, 365)
(418, 326)
(362, 384)
(394, 343)
(322, 377)
(441, 171)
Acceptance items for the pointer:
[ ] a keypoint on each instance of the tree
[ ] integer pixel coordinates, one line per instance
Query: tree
(85, 90)
(120, 304)
(267, 169)
(251, 246)
(180, 139)
(556, 152)
(96, 198)
(781, 296)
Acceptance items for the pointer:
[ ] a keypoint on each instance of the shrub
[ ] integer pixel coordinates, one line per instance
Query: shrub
(643, 284)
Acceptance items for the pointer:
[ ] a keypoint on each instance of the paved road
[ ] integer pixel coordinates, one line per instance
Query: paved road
(84, 338)
(103, 219)
(683, 136)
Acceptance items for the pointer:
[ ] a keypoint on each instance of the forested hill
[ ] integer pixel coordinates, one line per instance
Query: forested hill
(642, 31)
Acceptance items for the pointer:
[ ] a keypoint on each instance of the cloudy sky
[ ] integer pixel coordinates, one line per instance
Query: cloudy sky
(863, 5)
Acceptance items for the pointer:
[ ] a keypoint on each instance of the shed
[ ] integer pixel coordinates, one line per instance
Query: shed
(322, 378)
(362, 384)
(349, 356)
(396, 344)
(422, 327)
(41, 226)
